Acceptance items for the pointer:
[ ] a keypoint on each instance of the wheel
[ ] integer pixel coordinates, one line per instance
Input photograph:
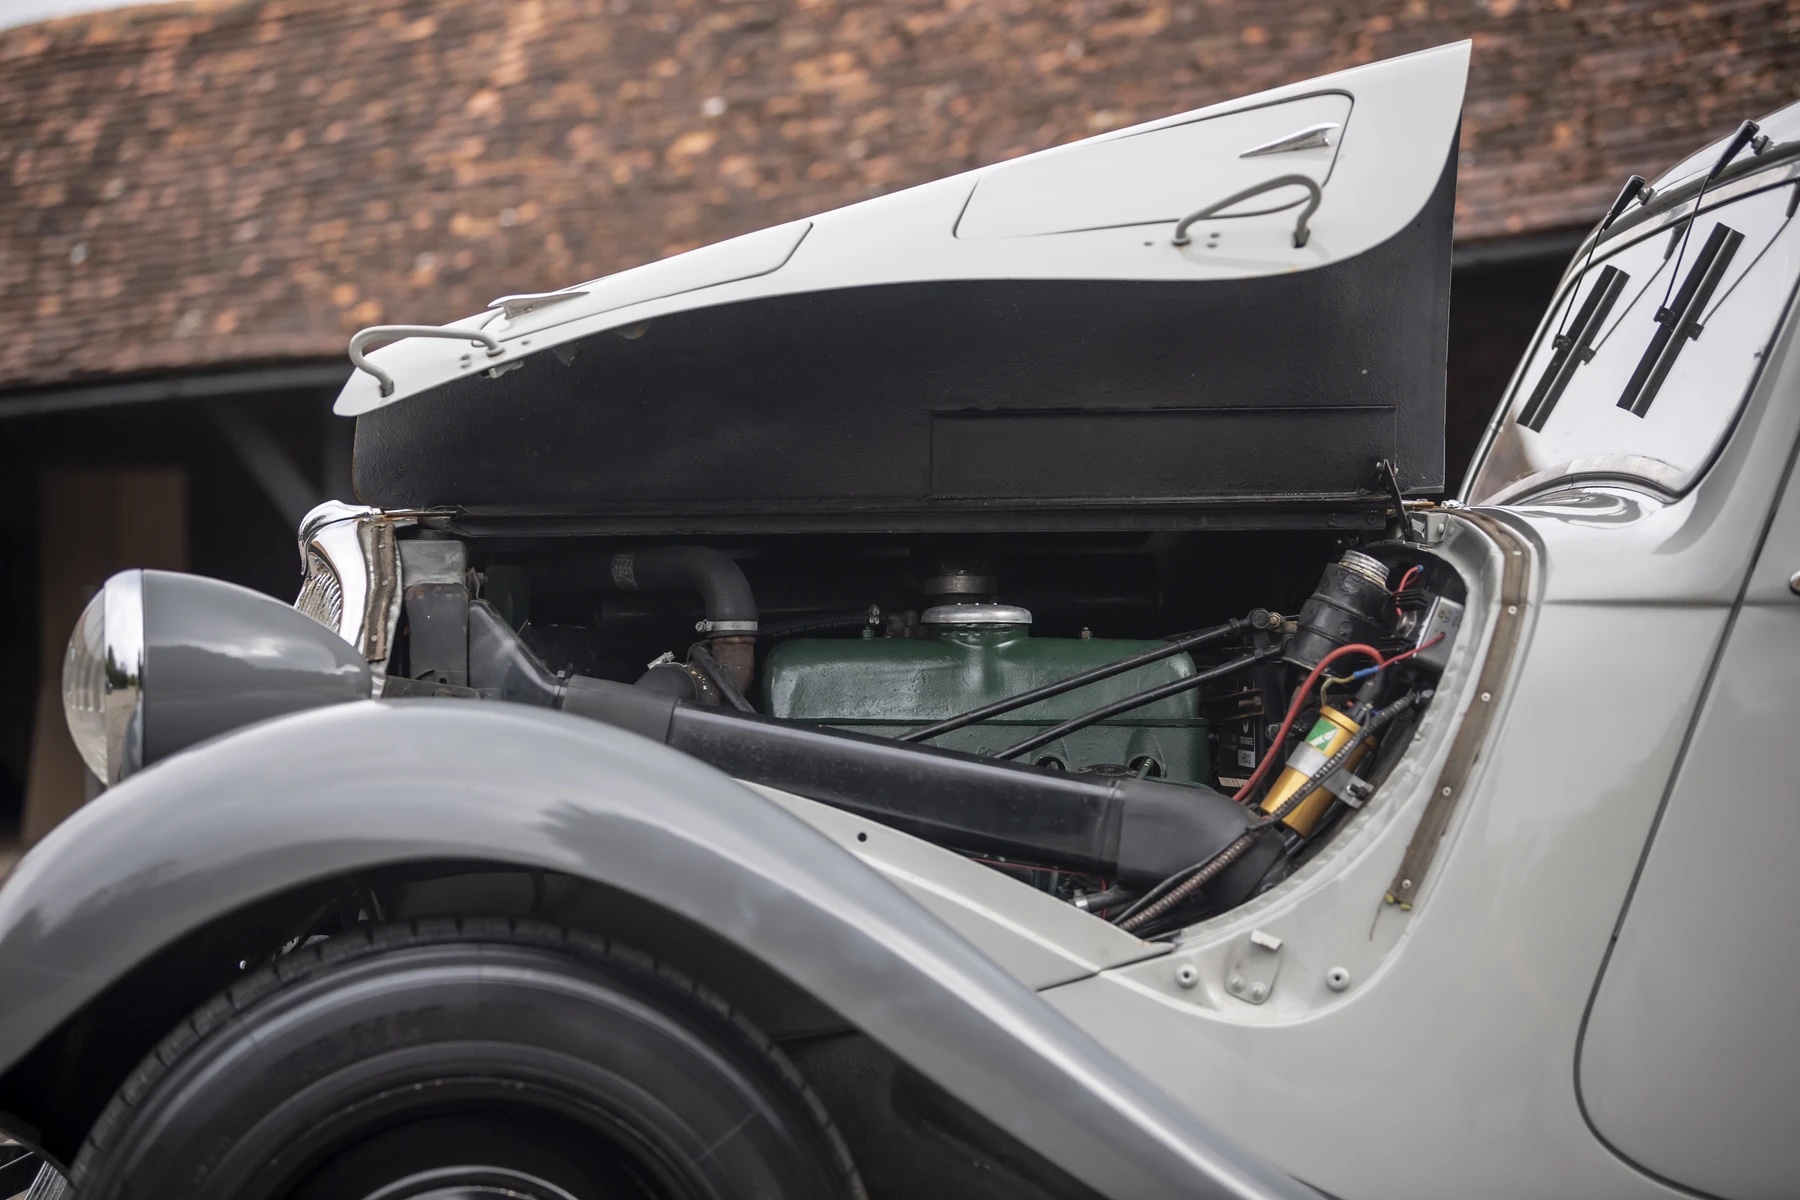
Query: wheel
(464, 1060)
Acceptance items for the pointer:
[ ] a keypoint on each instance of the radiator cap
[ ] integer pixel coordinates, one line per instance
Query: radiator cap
(976, 614)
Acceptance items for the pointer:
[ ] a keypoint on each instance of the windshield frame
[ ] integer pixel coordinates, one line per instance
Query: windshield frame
(1664, 212)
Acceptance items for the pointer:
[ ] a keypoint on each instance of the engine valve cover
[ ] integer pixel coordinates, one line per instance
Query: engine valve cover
(889, 686)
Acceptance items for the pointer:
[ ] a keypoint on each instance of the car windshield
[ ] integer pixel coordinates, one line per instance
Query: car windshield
(1642, 367)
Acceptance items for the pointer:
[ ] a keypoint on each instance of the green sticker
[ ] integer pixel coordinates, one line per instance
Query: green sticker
(1320, 737)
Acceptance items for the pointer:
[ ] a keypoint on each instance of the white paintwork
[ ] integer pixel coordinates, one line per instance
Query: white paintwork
(1388, 158)
(25, 12)
(744, 257)
(1690, 1053)
(1152, 177)
(1034, 936)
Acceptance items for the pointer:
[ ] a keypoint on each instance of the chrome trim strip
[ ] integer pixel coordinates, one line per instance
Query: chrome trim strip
(122, 599)
(1313, 137)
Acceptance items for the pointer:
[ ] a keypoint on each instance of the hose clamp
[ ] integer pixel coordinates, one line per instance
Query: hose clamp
(708, 626)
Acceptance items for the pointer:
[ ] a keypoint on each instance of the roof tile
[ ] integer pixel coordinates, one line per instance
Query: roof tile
(221, 181)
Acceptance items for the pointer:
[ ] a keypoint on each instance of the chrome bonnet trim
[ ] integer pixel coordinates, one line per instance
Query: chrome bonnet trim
(356, 543)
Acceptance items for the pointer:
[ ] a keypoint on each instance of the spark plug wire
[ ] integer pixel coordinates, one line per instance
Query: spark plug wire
(1368, 671)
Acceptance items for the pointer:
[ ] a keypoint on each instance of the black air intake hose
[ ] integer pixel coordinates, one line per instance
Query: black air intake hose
(730, 606)
(1134, 832)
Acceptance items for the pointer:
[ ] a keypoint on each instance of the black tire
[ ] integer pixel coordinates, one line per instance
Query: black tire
(465, 1054)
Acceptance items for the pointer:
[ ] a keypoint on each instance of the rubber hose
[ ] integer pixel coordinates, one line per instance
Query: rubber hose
(725, 593)
(723, 589)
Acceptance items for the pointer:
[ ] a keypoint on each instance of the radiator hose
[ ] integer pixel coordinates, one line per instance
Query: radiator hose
(730, 623)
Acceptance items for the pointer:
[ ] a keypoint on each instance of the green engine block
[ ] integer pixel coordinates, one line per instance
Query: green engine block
(887, 686)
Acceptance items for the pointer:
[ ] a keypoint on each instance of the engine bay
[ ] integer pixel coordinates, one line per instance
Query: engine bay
(1150, 726)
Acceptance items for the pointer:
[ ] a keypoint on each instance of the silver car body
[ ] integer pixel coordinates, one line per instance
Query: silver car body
(1554, 956)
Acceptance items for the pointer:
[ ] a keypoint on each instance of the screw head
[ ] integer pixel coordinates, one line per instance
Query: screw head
(1235, 984)
(1258, 991)
(1186, 975)
(1794, 583)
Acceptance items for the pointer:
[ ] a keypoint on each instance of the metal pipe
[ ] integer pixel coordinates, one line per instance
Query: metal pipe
(1104, 671)
(1139, 700)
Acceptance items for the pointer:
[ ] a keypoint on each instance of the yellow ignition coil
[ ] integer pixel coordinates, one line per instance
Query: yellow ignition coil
(1328, 736)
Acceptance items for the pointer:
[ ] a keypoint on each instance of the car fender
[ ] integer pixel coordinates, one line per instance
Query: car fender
(365, 785)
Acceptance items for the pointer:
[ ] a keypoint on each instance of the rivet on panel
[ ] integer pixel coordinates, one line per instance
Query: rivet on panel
(1186, 975)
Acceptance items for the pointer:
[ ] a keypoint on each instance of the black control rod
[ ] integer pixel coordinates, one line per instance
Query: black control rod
(1127, 703)
(1104, 671)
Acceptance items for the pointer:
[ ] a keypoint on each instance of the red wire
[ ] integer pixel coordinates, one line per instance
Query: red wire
(1408, 654)
(1305, 690)
(1404, 581)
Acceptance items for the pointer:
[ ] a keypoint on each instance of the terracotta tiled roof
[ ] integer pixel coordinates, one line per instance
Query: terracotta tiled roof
(206, 183)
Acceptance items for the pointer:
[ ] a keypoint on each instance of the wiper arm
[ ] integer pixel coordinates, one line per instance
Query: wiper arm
(1562, 364)
(1748, 134)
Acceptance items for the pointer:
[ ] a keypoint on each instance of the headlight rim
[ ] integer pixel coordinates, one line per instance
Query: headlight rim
(121, 611)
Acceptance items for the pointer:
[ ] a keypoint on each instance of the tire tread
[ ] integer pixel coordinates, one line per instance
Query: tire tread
(364, 941)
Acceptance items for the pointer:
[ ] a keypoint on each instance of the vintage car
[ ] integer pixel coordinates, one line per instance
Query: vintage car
(972, 694)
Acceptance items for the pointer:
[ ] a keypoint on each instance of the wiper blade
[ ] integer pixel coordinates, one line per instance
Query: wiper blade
(1573, 348)
(1679, 323)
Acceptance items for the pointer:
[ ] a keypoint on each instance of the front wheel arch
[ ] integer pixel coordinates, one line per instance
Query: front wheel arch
(202, 837)
(57, 1092)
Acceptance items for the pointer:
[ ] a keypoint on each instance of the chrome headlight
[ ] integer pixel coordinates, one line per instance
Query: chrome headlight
(103, 674)
(160, 661)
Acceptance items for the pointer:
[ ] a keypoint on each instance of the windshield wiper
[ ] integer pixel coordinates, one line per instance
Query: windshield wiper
(1679, 323)
(1567, 356)
(1573, 348)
